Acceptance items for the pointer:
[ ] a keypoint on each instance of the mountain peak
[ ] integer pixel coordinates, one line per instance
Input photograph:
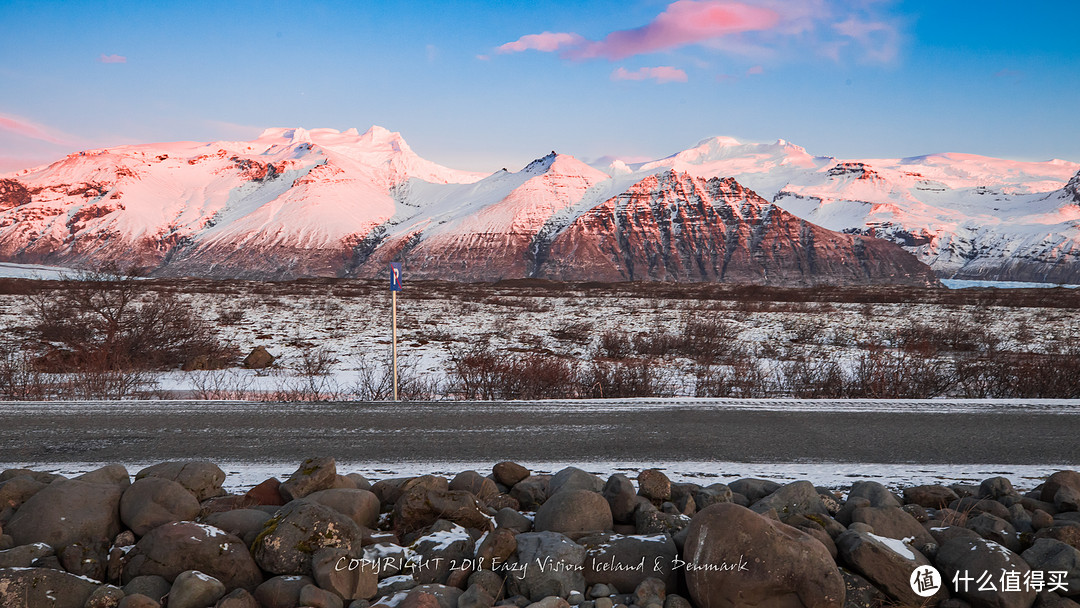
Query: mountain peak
(1073, 188)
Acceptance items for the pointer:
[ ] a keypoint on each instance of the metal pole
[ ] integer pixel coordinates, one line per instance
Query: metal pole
(394, 332)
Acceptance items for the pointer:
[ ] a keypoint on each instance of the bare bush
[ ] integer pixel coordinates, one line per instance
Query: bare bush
(480, 372)
(816, 379)
(627, 378)
(224, 384)
(20, 380)
(375, 380)
(884, 375)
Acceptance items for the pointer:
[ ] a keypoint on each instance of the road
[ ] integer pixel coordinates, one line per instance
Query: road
(928, 432)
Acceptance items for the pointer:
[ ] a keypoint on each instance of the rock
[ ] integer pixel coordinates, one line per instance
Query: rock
(996, 529)
(314, 474)
(23, 556)
(1047, 554)
(650, 590)
(105, 596)
(267, 493)
(1041, 519)
(623, 562)
(476, 597)
(497, 547)
(531, 492)
(1067, 499)
(282, 591)
(1053, 600)
(860, 593)
(573, 513)
(446, 597)
(152, 586)
(476, 484)
(173, 548)
(676, 601)
(753, 489)
(621, 497)
(312, 596)
(712, 494)
(290, 538)
(491, 582)
(34, 587)
(389, 490)
(974, 506)
(651, 521)
(419, 600)
(154, 501)
(193, 589)
(244, 523)
(1069, 479)
(550, 602)
(885, 562)
(361, 506)
(445, 545)
(139, 601)
(604, 602)
(654, 485)
(238, 598)
(68, 512)
(538, 583)
(969, 557)
(42, 477)
(741, 558)
(509, 473)
(995, 488)
(1070, 535)
(17, 490)
(800, 497)
(893, 522)
(81, 559)
(877, 494)
(259, 358)
(115, 474)
(512, 520)
(201, 478)
(419, 507)
(573, 478)
(930, 496)
(503, 501)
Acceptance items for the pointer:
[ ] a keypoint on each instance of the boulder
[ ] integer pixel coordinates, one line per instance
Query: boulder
(877, 494)
(67, 512)
(860, 593)
(361, 506)
(154, 501)
(573, 513)
(139, 600)
(114, 473)
(476, 596)
(1068, 534)
(624, 562)
(961, 558)
(996, 529)
(532, 491)
(238, 598)
(735, 557)
(995, 488)
(151, 586)
(930, 496)
(550, 548)
(800, 497)
(1067, 499)
(885, 562)
(509, 473)
(313, 597)
(34, 587)
(497, 547)
(420, 506)
(282, 591)
(314, 474)
(444, 596)
(259, 358)
(893, 522)
(267, 493)
(201, 478)
(193, 589)
(654, 485)
(712, 494)
(753, 489)
(17, 490)
(85, 559)
(512, 520)
(174, 548)
(621, 497)
(1050, 487)
(446, 544)
(24, 555)
(573, 478)
(290, 538)
(244, 523)
(476, 484)
(351, 579)
(105, 596)
(1047, 555)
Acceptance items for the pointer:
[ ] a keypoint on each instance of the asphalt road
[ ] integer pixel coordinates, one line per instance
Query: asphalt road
(933, 432)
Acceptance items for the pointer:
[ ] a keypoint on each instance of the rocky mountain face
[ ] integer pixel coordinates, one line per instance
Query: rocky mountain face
(326, 203)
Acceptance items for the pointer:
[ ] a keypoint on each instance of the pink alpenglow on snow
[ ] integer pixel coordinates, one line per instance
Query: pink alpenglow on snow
(660, 74)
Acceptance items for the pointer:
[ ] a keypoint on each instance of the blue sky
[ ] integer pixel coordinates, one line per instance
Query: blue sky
(483, 85)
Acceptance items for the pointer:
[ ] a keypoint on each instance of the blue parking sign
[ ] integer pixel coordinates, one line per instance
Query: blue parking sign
(395, 276)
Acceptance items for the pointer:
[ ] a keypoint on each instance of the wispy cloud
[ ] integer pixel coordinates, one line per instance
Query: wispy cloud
(879, 41)
(26, 128)
(111, 58)
(757, 69)
(546, 42)
(660, 74)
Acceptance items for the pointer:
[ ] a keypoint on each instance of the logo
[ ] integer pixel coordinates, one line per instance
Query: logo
(925, 581)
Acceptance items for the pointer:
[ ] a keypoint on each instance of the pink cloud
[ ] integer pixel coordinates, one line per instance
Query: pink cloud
(683, 22)
(112, 59)
(757, 69)
(25, 128)
(661, 74)
(546, 42)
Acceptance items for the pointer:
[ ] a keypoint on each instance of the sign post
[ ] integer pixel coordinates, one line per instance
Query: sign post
(395, 286)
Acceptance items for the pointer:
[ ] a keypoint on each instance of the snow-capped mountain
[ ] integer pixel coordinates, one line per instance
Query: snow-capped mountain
(326, 203)
(966, 216)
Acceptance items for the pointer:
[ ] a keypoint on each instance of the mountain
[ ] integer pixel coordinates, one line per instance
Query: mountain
(296, 203)
(967, 216)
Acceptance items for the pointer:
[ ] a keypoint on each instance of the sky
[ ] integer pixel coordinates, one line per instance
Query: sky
(485, 85)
